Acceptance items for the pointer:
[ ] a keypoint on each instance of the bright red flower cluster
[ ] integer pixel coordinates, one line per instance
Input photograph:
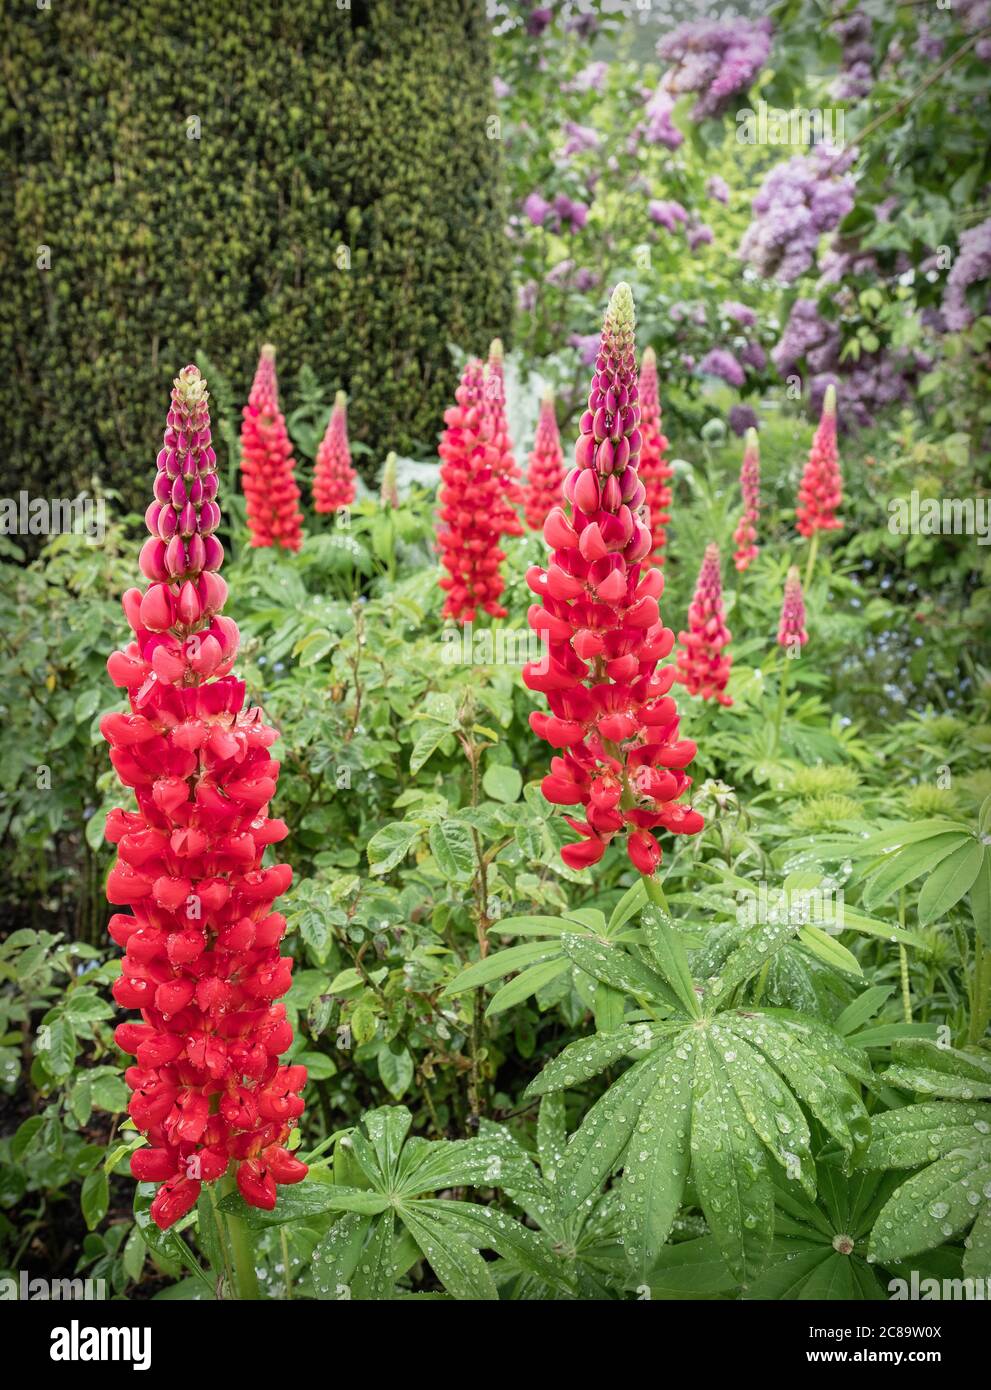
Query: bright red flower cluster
(333, 477)
(745, 535)
(472, 503)
(267, 466)
(655, 471)
(791, 628)
(201, 943)
(703, 661)
(545, 476)
(821, 490)
(498, 426)
(622, 760)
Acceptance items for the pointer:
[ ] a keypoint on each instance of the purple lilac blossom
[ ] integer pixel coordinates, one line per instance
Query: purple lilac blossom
(589, 79)
(972, 264)
(587, 345)
(580, 139)
(798, 201)
(739, 313)
(699, 234)
(500, 88)
(857, 63)
(660, 129)
(721, 362)
(536, 208)
(666, 213)
(716, 59)
(754, 356)
(743, 418)
(717, 187)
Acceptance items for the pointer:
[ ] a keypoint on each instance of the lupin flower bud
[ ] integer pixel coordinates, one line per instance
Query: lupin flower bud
(472, 503)
(703, 661)
(791, 628)
(655, 471)
(389, 487)
(201, 943)
(611, 716)
(267, 466)
(821, 490)
(546, 473)
(745, 535)
(333, 477)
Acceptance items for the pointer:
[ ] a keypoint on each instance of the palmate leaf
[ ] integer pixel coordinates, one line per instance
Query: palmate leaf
(457, 1264)
(952, 1138)
(908, 864)
(723, 1095)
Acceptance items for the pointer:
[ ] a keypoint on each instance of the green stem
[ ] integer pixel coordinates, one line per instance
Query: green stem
(903, 963)
(655, 892)
(811, 562)
(241, 1248)
(782, 702)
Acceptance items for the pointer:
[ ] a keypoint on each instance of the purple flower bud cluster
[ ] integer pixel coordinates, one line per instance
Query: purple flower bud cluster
(699, 234)
(857, 63)
(972, 264)
(716, 59)
(721, 362)
(798, 201)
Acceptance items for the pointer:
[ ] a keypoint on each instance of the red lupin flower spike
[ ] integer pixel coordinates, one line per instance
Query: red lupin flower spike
(791, 628)
(498, 426)
(745, 535)
(201, 943)
(267, 466)
(610, 712)
(821, 490)
(703, 661)
(472, 502)
(545, 477)
(333, 477)
(655, 471)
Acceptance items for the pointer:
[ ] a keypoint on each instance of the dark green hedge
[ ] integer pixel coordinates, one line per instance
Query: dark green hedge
(319, 127)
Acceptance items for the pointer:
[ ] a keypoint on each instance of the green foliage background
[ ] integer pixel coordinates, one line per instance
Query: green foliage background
(160, 242)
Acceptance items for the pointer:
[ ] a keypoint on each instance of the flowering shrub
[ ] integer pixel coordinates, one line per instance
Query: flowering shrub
(201, 944)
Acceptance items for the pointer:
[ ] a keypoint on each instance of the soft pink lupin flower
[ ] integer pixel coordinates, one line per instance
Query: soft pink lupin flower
(703, 661)
(745, 535)
(821, 491)
(546, 475)
(791, 628)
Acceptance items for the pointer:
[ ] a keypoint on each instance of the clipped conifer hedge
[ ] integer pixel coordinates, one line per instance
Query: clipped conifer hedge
(324, 178)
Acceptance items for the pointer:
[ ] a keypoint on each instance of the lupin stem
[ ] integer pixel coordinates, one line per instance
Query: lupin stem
(241, 1247)
(811, 562)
